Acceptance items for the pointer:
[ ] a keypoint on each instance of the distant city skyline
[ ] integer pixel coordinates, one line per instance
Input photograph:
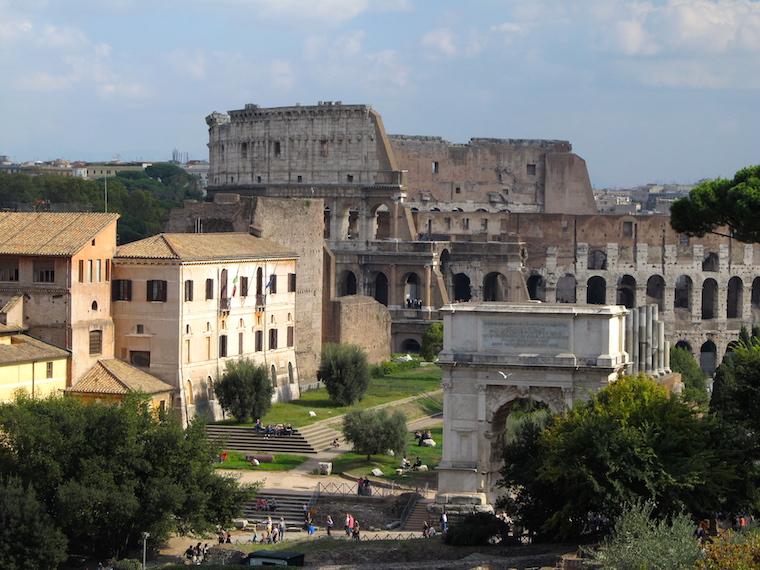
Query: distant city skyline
(663, 91)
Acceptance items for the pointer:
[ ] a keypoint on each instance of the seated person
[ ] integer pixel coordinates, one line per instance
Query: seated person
(258, 425)
(405, 464)
(335, 443)
(288, 429)
(417, 463)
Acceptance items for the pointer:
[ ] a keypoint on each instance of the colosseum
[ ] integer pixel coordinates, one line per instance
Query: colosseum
(418, 222)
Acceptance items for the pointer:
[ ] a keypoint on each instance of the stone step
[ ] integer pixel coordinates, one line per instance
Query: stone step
(244, 439)
(289, 507)
(418, 516)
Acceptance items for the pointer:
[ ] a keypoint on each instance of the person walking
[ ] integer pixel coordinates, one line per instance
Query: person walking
(329, 524)
(282, 528)
(444, 522)
(355, 530)
(347, 526)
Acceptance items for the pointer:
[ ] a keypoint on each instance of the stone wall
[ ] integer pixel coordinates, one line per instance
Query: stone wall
(360, 320)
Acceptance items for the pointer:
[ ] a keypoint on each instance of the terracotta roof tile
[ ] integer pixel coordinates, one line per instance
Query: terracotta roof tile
(47, 233)
(24, 348)
(203, 247)
(111, 376)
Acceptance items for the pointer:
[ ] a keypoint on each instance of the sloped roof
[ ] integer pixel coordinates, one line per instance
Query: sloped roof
(24, 348)
(203, 247)
(111, 376)
(48, 233)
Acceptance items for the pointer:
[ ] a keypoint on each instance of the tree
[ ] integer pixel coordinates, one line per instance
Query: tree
(107, 473)
(345, 372)
(630, 441)
(683, 362)
(373, 432)
(28, 537)
(244, 390)
(641, 541)
(432, 342)
(713, 204)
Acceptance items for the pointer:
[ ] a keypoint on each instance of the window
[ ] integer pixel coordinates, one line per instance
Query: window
(435, 167)
(140, 358)
(277, 149)
(259, 341)
(466, 223)
(273, 284)
(258, 180)
(209, 289)
(457, 190)
(323, 148)
(90, 271)
(484, 224)
(9, 270)
(48, 370)
(244, 150)
(628, 229)
(139, 329)
(108, 269)
(300, 178)
(531, 170)
(187, 329)
(222, 346)
(94, 306)
(240, 343)
(244, 286)
(156, 290)
(447, 221)
(291, 282)
(187, 350)
(96, 342)
(272, 339)
(98, 270)
(81, 270)
(189, 290)
(291, 336)
(44, 271)
(121, 290)
(349, 177)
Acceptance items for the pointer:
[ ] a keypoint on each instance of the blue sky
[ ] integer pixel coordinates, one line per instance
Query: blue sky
(665, 91)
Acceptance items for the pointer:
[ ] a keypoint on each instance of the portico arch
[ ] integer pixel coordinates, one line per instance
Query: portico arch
(412, 290)
(709, 299)
(626, 292)
(462, 287)
(495, 287)
(734, 298)
(381, 222)
(596, 291)
(536, 287)
(656, 291)
(381, 288)
(708, 357)
(346, 283)
(566, 292)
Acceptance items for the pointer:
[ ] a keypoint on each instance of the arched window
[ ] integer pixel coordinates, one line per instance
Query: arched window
(626, 292)
(684, 345)
(189, 392)
(411, 289)
(566, 289)
(347, 284)
(536, 287)
(708, 357)
(96, 342)
(597, 259)
(495, 287)
(656, 291)
(410, 345)
(274, 376)
(735, 298)
(381, 289)
(709, 299)
(462, 287)
(291, 376)
(596, 291)
(682, 297)
(94, 306)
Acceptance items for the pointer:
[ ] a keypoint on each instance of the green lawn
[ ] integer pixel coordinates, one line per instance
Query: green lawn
(380, 391)
(282, 462)
(355, 464)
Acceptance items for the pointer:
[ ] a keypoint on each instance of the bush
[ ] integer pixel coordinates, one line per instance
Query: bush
(345, 373)
(476, 530)
(244, 390)
(374, 432)
(127, 564)
(735, 550)
(432, 342)
(695, 388)
(639, 541)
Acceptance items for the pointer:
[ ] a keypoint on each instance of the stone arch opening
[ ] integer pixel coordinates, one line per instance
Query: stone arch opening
(327, 220)
(445, 261)
(566, 289)
(259, 282)
(223, 284)
(381, 289)
(735, 298)
(596, 291)
(709, 299)
(412, 290)
(381, 222)
(291, 375)
(656, 291)
(597, 259)
(708, 357)
(711, 262)
(684, 345)
(273, 376)
(682, 296)
(755, 296)
(346, 283)
(462, 288)
(626, 291)
(410, 345)
(536, 287)
(495, 287)
(189, 392)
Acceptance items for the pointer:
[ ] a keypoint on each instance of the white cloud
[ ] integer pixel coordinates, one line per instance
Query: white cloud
(282, 75)
(192, 65)
(441, 41)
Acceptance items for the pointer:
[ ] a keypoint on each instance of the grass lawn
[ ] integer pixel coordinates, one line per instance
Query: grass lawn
(401, 385)
(355, 464)
(282, 462)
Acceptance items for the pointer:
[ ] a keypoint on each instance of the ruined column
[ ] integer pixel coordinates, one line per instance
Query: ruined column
(393, 302)
(747, 304)
(428, 283)
(661, 353)
(629, 340)
(636, 333)
(651, 339)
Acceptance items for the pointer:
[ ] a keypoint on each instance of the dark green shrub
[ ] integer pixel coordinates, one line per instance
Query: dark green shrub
(345, 373)
(475, 530)
(245, 389)
(127, 564)
(432, 342)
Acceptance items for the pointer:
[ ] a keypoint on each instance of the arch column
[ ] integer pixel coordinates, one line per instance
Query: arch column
(722, 301)
(696, 300)
(640, 295)
(746, 309)
(610, 293)
(426, 296)
(669, 296)
(393, 294)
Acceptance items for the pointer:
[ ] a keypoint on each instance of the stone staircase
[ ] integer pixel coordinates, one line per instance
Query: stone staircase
(289, 506)
(320, 436)
(416, 519)
(246, 439)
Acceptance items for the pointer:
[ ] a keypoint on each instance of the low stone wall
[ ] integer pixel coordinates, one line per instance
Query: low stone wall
(360, 320)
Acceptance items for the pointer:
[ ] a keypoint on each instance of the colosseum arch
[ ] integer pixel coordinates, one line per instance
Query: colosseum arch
(709, 299)
(381, 222)
(735, 298)
(380, 288)
(536, 287)
(412, 289)
(462, 287)
(684, 344)
(597, 259)
(708, 357)
(495, 287)
(683, 293)
(596, 290)
(626, 291)
(566, 289)
(347, 283)
(656, 291)
(711, 262)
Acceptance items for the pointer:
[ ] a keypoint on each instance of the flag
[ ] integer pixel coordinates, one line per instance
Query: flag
(270, 283)
(235, 282)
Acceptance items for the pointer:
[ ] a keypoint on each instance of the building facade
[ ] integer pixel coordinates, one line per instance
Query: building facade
(186, 304)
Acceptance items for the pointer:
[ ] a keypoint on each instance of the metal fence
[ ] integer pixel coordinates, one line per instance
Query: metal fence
(348, 488)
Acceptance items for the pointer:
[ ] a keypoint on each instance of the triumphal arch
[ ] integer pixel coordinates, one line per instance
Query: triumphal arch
(497, 354)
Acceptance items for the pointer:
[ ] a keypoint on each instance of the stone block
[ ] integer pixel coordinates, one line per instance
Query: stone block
(325, 468)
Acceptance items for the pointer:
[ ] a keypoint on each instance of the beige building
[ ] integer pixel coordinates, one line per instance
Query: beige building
(185, 304)
(55, 272)
(103, 169)
(30, 365)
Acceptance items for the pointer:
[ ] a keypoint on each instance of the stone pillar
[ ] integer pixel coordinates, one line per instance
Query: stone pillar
(696, 300)
(426, 296)
(668, 299)
(722, 297)
(629, 340)
(581, 255)
(612, 257)
(662, 352)
(697, 256)
(640, 295)
(724, 258)
(747, 305)
(749, 255)
(651, 336)
(636, 332)
(642, 255)
(551, 259)
(393, 300)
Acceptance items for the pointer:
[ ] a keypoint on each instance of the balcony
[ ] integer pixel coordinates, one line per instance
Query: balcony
(224, 305)
(260, 301)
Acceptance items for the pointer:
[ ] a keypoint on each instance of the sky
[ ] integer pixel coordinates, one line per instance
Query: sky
(657, 91)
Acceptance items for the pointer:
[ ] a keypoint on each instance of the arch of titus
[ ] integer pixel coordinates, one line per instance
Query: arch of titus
(495, 354)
